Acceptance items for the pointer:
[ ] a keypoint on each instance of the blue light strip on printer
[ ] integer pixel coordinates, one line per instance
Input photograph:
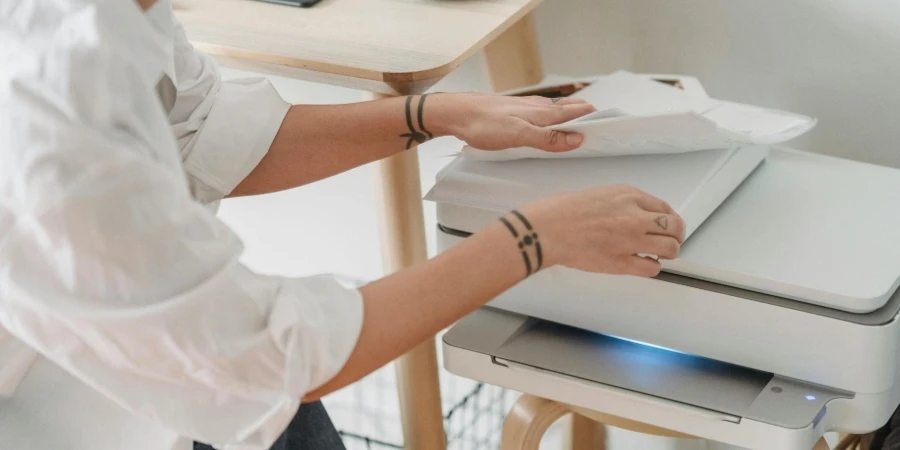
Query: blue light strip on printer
(645, 344)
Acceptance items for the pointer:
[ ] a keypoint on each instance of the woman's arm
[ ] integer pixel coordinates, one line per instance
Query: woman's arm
(600, 230)
(404, 309)
(318, 141)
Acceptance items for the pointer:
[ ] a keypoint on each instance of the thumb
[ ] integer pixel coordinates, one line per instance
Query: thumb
(551, 140)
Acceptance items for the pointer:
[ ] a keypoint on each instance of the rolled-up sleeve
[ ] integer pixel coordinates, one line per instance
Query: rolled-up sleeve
(135, 288)
(223, 128)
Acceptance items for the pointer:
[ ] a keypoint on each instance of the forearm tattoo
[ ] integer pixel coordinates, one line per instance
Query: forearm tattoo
(420, 135)
(528, 242)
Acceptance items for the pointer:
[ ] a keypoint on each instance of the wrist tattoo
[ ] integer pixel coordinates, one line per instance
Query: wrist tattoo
(420, 135)
(528, 242)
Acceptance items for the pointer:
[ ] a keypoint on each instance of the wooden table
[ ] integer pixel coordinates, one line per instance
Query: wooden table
(385, 47)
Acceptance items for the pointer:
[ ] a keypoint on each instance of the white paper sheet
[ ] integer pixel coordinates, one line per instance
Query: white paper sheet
(504, 186)
(640, 116)
(637, 95)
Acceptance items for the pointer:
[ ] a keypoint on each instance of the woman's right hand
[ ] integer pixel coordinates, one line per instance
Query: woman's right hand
(604, 230)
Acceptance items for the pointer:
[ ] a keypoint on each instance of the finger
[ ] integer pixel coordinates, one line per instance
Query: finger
(557, 114)
(671, 225)
(650, 203)
(537, 100)
(664, 247)
(549, 140)
(562, 101)
(642, 266)
(548, 101)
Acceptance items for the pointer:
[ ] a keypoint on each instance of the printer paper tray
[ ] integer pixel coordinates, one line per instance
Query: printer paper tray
(538, 349)
(653, 371)
(682, 408)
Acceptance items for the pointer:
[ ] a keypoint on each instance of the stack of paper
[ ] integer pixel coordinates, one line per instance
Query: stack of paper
(675, 143)
(694, 184)
(638, 115)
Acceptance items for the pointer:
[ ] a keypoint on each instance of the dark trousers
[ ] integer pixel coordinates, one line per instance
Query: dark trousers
(311, 429)
(888, 437)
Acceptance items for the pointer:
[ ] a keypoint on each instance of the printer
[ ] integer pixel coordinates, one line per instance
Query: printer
(777, 323)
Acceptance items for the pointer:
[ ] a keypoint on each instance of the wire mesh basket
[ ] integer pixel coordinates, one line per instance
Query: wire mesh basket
(367, 414)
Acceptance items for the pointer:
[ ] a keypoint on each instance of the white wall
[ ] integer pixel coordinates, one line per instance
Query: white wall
(838, 60)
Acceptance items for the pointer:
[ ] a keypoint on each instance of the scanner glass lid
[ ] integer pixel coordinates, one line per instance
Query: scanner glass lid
(806, 227)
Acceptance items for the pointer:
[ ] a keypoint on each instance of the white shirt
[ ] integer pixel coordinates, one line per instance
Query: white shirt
(126, 320)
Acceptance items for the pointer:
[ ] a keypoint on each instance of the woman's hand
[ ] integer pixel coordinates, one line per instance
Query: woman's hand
(601, 230)
(495, 122)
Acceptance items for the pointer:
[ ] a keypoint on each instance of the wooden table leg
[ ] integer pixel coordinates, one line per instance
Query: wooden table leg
(514, 58)
(527, 422)
(402, 228)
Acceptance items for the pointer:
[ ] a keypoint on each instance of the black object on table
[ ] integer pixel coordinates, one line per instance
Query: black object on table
(300, 3)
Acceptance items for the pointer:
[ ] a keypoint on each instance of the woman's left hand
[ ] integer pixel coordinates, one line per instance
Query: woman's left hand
(495, 122)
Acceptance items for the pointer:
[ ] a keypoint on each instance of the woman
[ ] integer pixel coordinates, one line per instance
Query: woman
(126, 320)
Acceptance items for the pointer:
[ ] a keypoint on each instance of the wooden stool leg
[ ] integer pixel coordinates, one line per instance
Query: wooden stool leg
(584, 434)
(853, 442)
(514, 58)
(527, 422)
(402, 226)
(822, 445)
(847, 443)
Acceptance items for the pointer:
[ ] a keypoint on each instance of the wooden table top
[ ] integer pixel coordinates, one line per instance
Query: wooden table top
(385, 46)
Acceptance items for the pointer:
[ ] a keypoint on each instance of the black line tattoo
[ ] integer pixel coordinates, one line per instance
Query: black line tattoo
(421, 123)
(509, 226)
(416, 136)
(531, 240)
(528, 239)
(663, 222)
(555, 99)
(527, 262)
(523, 219)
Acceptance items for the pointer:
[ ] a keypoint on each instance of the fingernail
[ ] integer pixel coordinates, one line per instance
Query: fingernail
(573, 139)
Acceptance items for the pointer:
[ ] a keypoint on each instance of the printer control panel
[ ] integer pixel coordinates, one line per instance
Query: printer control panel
(792, 404)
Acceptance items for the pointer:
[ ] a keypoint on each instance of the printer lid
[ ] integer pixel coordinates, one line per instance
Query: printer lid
(808, 227)
(803, 226)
